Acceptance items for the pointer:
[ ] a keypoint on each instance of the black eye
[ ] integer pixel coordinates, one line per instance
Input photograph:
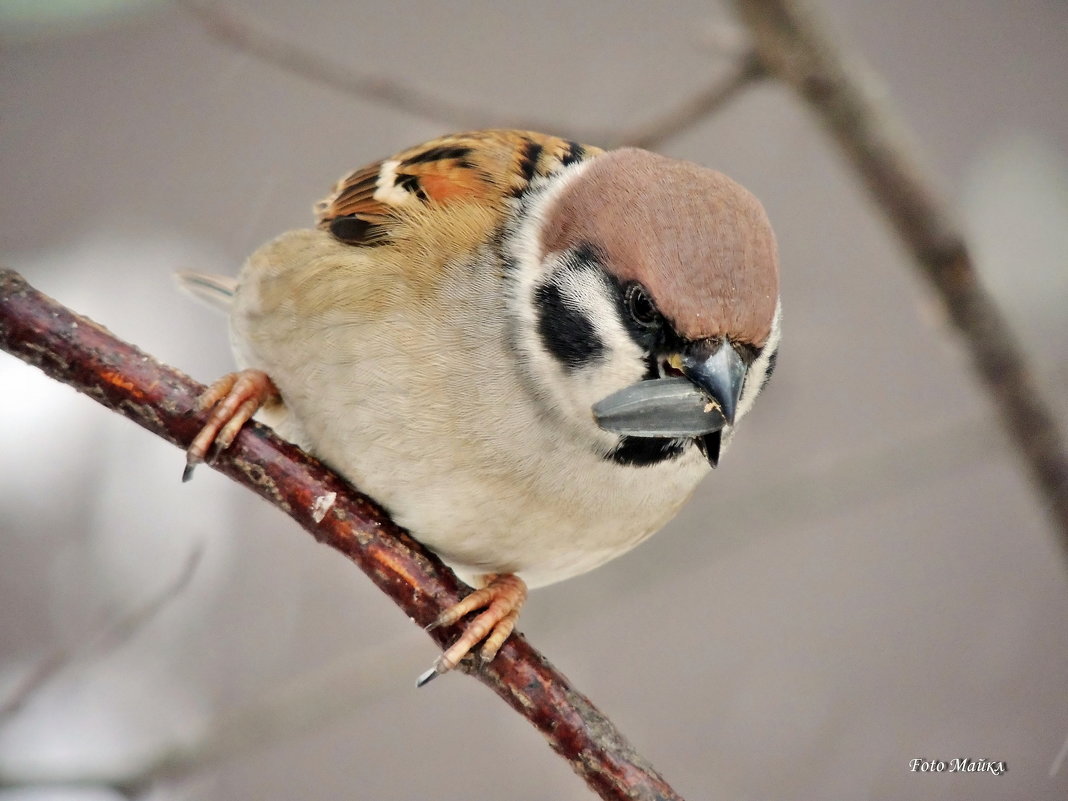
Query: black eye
(641, 306)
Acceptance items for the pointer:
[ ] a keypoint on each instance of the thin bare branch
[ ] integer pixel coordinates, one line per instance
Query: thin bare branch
(285, 711)
(723, 38)
(103, 640)
(306, 703)
(793, 42)
(86, 356)
(279, 52)
(746, 69)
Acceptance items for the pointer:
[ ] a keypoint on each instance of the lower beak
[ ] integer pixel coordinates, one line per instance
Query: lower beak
(709, 444)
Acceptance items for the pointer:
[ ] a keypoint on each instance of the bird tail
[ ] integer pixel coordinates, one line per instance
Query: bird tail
(216, 291)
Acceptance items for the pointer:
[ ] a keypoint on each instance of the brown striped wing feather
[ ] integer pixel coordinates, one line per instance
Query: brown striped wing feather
(487, 167)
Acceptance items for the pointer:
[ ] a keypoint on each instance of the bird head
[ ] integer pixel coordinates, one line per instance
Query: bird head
(633, 267)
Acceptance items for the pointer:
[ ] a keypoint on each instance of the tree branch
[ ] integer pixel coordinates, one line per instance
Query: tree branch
(78, 352)
(792, 42)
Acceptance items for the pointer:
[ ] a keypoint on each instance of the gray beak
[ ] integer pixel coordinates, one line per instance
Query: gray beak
(697, 406)
(670, 408)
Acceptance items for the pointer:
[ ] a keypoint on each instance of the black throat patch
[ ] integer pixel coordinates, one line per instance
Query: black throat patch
(646, 451)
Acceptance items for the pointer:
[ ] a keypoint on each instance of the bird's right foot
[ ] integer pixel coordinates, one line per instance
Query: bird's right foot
(233, 399)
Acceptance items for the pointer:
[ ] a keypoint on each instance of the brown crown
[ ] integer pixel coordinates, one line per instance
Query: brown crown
(700, 243)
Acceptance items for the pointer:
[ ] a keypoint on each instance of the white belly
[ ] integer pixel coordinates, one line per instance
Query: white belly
(519, 501)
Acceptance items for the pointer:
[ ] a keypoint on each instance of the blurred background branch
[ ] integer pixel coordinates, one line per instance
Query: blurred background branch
(235, 32)
(277, 50)
(744, 69)
(308, 702)
(101, 641)
(796, 45)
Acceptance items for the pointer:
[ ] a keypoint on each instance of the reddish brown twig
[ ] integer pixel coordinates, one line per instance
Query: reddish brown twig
(78, 352)
(793, 44)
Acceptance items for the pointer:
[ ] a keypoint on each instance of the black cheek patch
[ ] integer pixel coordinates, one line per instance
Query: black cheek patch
(565, 331)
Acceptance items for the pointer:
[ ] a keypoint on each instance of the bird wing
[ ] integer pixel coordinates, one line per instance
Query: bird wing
(487, 167)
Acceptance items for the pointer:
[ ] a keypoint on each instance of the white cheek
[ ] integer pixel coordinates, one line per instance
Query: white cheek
(571, 391)
(524, 244)
(567, 392)
(621, 362)
(754, 380)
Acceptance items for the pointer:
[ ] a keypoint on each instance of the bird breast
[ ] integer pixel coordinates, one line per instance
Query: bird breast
(417, 397)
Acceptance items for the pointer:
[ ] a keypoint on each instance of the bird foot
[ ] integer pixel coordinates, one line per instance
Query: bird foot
(233, 399)
(502, 598)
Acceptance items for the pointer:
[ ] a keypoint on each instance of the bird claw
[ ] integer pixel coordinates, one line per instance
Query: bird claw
(428, 676)
(190, 466)
(501, 599)
(233, 400)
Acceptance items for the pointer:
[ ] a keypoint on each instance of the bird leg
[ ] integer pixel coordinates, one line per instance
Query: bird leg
(501, 597)
(236, 397)
(233, 399)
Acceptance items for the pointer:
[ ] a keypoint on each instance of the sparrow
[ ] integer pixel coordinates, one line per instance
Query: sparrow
(530, 351)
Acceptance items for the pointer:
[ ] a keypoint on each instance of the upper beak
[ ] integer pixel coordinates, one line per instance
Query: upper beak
(718, 370)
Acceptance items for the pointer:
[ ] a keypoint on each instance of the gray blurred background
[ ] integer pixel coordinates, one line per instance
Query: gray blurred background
(867, 578)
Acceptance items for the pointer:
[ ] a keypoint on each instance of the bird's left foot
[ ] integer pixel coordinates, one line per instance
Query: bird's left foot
(502, 598)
